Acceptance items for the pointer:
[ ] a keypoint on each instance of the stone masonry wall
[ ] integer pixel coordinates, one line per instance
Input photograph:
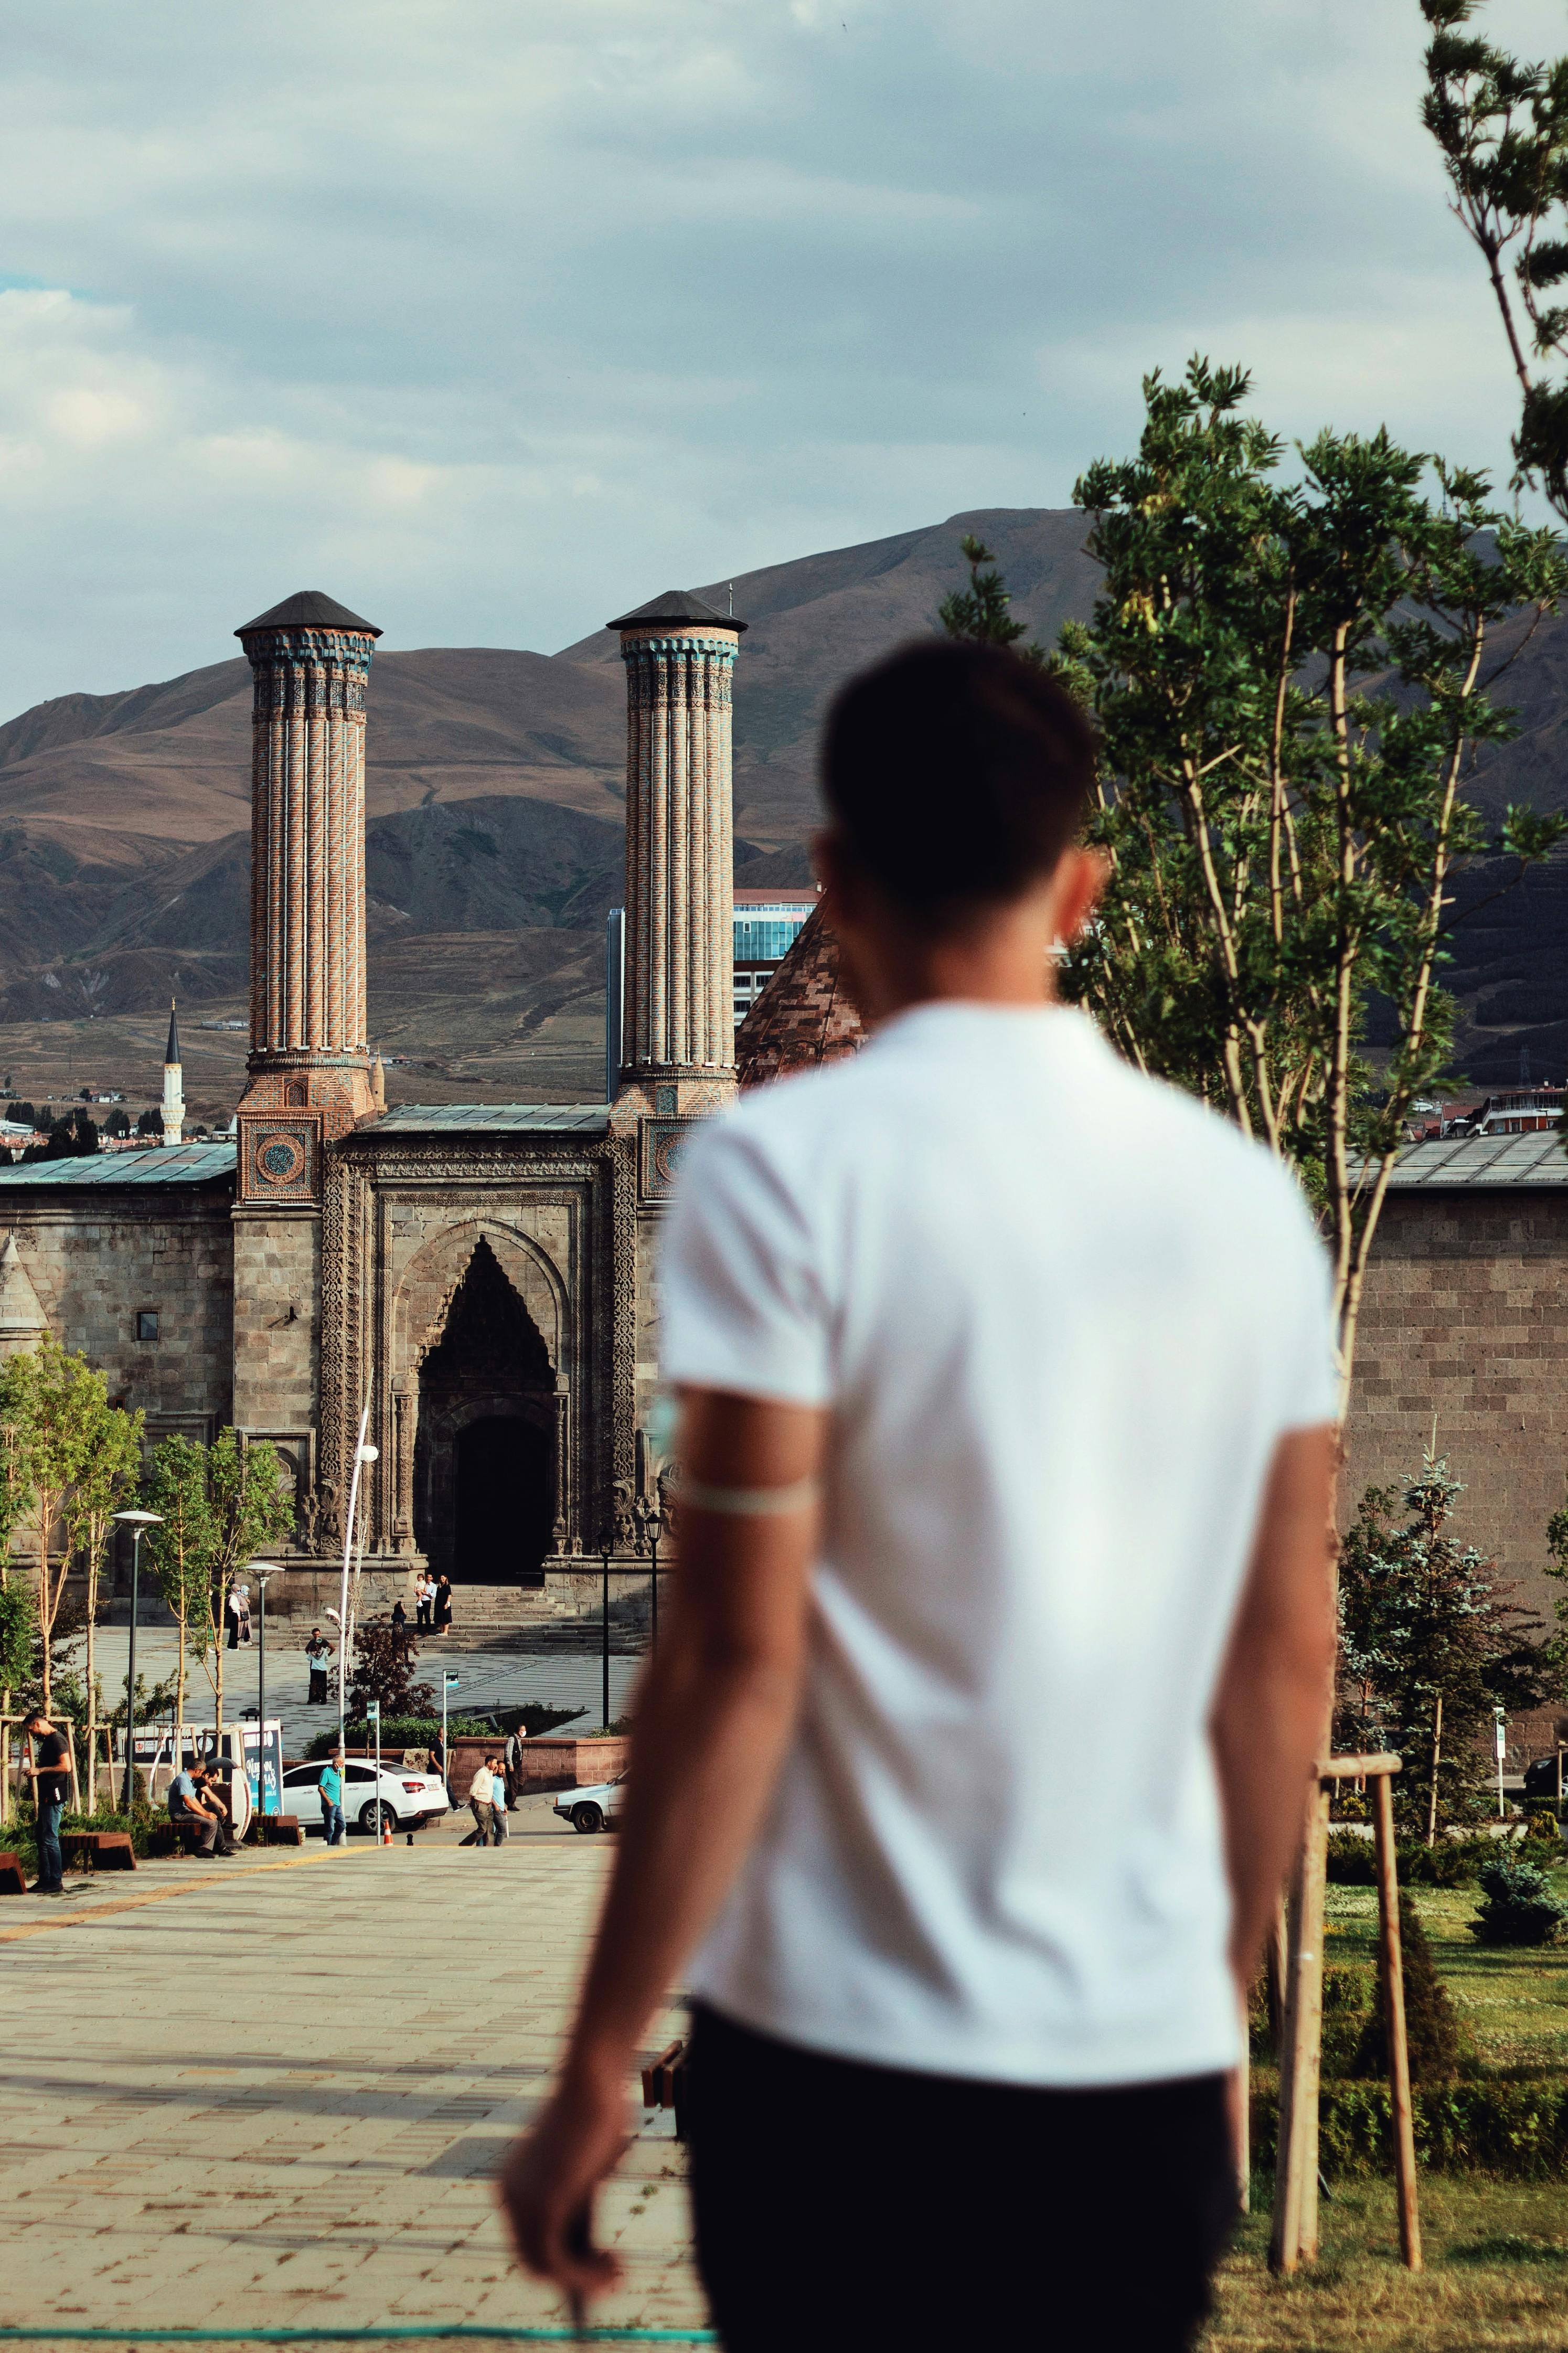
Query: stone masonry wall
(1466, 1318)
(277, 1291)
(96, 1262)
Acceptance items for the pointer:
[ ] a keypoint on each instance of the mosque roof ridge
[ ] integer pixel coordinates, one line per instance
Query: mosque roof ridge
(804, 1015)
(309, 608)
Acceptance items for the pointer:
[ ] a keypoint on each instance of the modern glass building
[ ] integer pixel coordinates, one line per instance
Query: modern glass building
(766, 923)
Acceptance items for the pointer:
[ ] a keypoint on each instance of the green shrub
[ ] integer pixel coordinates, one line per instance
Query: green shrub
(1353, 1862)
(1518, 2130)
(1452, 1862)
(1431, 2030)
(1517, 1907)
(1347, 1998)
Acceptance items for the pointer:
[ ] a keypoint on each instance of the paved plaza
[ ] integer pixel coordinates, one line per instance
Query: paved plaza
(271, 2092)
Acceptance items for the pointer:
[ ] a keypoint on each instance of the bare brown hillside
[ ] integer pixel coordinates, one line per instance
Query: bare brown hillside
(495, 812)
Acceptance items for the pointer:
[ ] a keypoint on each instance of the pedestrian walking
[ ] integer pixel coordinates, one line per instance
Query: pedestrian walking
(423, 1595)
(400, 1623)
(499, 1829)
(48, 1769)
(238, 1614)
(441, 1604)
(481, 1793)
(330, 1791)
(1007, 1396)
(317, 1651)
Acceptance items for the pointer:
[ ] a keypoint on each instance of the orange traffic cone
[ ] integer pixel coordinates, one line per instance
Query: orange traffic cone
(386, 1831)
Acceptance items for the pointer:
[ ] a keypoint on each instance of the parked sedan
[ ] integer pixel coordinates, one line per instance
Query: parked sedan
(595, 1808)
(408, 1798)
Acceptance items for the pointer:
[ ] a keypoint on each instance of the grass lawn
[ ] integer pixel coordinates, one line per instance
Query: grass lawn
(1496, 2252)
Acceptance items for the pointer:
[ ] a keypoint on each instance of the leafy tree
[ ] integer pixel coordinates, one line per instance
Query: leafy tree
(118, 1123)
(24, 1115)
(111, 1459)
(180, 1552)
(75, 1135)
(150, 1123)
(1431, 1642)
(1502, 125)
(63, 1397)
(1289, 678)
(383, 1670)
(979, 616)
(251, 1512)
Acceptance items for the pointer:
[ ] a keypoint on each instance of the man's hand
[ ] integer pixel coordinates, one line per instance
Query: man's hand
(546, 2187)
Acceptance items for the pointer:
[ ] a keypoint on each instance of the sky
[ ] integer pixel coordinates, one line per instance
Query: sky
(492, 318)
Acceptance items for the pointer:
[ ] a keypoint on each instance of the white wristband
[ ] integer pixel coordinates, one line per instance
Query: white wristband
(748, 1503)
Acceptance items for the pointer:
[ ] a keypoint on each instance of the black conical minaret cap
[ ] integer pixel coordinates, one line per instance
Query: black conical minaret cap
(172, 1050)
(677, 606)
(307, 608)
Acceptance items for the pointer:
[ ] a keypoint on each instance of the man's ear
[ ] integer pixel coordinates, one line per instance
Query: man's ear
(1079, 878)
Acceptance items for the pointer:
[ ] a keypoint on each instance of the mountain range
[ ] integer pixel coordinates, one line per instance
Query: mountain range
(494, 789)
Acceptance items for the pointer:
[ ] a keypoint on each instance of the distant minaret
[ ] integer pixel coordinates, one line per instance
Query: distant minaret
(679, 1047)
(174, 1089)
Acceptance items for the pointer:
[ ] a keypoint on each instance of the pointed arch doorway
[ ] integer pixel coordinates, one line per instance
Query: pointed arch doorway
(484, 1483)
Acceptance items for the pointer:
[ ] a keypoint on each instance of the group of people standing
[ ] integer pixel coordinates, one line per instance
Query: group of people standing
(432, 1604)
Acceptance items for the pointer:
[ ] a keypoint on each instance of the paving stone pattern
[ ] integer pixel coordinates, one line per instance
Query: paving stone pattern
(277, 2098)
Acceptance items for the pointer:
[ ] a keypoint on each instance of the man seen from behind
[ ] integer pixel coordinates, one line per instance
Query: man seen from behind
(971, 1763)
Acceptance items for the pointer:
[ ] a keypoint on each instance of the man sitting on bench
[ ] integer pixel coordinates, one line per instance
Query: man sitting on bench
(195, 1815)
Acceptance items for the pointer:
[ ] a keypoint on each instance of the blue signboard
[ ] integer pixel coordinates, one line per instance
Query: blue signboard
(269, 1799)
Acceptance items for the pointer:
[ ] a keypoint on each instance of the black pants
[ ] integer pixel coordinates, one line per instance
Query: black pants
(844, 2207)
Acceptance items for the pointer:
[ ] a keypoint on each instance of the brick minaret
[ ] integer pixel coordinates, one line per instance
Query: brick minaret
(309, 1065)
(680, 1024)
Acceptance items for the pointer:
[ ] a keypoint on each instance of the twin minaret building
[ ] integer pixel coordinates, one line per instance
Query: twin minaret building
(309, 1074)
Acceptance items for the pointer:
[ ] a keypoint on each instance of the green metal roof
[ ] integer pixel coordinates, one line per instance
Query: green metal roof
(494, 1119)
(178, 1163)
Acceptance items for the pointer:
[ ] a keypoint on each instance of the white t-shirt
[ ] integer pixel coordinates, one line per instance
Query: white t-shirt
(1061, 1316)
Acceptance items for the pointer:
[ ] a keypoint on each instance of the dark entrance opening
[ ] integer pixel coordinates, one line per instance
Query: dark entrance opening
(484, 1473)
(504, 1508)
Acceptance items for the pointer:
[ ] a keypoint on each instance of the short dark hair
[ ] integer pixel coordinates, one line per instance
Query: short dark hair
(957, 774)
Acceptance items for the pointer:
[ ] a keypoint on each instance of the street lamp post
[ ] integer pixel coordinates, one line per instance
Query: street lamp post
(605, 1640)
(261, 1570)
(362, 1454)
(652, 1515)
(138, 1523)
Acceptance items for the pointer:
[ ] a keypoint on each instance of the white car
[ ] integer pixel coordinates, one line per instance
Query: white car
(408, 1798)
(595, 1808)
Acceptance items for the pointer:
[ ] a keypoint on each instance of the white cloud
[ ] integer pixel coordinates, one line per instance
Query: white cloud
(492, 318)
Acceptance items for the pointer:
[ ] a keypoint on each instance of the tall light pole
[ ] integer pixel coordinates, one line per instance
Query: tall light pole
(261, 1570)
(362, 1454)
(138, 1523)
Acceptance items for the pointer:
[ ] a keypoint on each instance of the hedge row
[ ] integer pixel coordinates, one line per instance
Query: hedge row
(1519, 2130)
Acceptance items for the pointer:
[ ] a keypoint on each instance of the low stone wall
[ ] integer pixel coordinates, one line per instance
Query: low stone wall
(550, 1762)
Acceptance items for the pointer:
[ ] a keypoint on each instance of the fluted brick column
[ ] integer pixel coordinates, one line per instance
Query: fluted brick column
(309, 658)
(679, 1018)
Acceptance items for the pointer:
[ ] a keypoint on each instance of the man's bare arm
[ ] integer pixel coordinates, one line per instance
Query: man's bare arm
(714, 1714)
(1272, 1708)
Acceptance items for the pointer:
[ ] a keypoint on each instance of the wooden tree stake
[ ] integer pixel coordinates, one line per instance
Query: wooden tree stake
(1394, 2024)
(1293, 2240)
